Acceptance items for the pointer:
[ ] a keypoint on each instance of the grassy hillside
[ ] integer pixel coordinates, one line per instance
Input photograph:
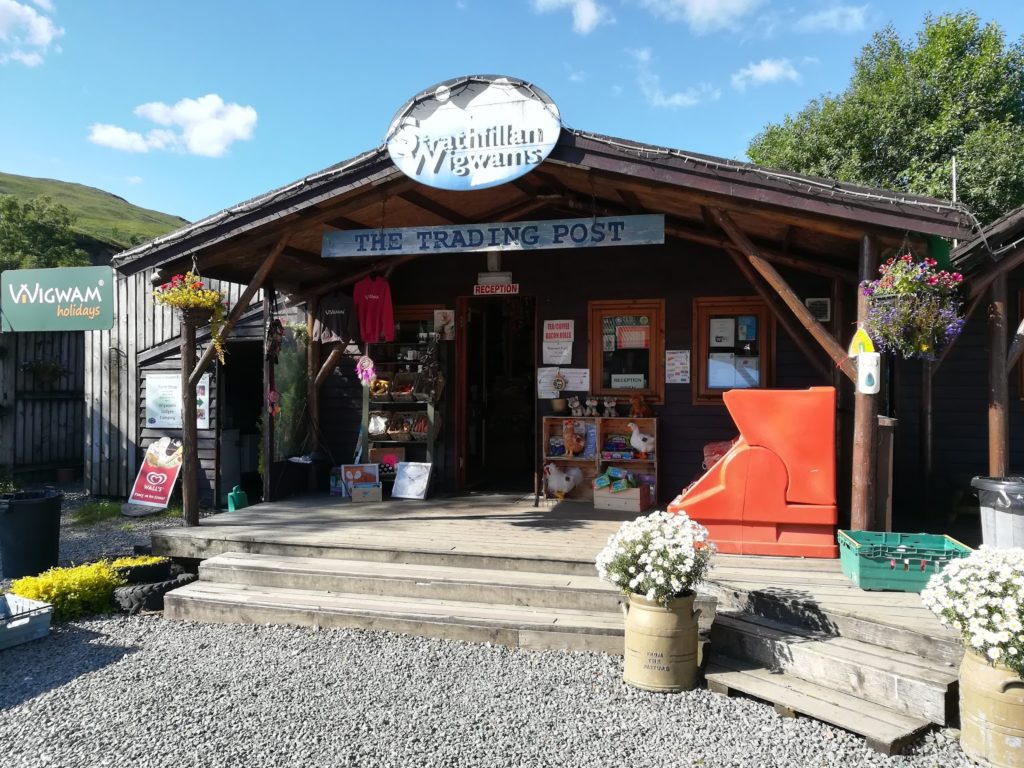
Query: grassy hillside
(101, 216)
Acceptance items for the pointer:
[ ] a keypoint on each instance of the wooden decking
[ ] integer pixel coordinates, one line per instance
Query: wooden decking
(498, 530)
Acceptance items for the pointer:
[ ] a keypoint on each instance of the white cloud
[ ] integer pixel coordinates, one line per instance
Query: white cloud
(205, 126)
(586, 14)
(26, 35)
(650, 85)
(702, 15)
(134, 179)
(765, 71)
(838, 18)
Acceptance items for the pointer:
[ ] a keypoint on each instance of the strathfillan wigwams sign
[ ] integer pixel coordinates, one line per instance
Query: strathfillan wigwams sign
(58, 299)
(473, 132)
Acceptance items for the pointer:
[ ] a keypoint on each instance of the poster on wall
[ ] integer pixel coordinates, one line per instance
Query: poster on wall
(558, 353)
(444, 324)
(559, 330)
(157, 473)
(576, 380)
(677, 366)
(163, 401)
(722, 332)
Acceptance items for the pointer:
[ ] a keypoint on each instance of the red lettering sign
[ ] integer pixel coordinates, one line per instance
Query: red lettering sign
(157, 474)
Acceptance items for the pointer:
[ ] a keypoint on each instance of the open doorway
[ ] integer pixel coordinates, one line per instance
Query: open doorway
(240, 414)
(497, 372)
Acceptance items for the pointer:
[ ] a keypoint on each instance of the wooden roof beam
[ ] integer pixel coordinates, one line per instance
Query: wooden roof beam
(424, 203)
(756, 262)
(239, 309)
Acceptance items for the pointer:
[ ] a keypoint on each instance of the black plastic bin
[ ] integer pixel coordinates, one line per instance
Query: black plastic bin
(29, 531)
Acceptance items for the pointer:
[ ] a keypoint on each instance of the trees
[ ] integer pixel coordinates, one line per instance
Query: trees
(909, 108)
(37, 233)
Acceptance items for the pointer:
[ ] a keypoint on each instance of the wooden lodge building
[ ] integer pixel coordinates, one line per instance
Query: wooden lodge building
(776, 255)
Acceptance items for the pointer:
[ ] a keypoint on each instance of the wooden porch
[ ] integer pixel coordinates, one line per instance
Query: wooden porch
(497, 569)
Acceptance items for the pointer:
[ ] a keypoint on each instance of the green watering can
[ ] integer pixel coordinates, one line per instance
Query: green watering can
(237, 499)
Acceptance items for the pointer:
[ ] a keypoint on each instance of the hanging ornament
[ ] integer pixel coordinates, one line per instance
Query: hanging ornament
(275, 335)
(273, 402)
(365, 370)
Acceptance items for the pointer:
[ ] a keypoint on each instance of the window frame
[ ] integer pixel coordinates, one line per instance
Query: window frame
(706, 307)
(596, 312)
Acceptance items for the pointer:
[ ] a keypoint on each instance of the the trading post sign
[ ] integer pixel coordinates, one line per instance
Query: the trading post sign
(58, 299)
(158, 473)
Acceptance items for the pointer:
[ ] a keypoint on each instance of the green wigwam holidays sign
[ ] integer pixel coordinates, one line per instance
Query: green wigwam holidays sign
(58, 299)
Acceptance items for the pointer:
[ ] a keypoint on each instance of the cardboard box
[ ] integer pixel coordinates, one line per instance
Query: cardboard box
(630, 500)
(367, 492)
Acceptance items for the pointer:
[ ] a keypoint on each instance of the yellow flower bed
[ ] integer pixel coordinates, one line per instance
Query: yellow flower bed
(73, 591)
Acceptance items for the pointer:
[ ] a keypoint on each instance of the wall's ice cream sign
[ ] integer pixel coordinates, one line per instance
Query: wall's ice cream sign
(473, 132)
(58, 299)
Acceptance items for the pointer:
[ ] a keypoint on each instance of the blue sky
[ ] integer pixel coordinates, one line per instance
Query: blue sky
(193, 105)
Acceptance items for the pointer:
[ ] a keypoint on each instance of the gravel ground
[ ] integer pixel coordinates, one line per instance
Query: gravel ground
(150, 692)
(140, 690)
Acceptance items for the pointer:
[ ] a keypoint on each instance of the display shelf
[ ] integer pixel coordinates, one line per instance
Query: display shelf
(595, 431)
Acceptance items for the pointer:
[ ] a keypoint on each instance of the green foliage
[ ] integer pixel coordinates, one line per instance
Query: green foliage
(910, 106)
(290, 438)
(73, 591)
(37, 233)
(136, 560)
(100, 215)
(95, 512)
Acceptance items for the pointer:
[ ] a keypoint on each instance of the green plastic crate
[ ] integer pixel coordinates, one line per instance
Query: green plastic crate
(901, 562)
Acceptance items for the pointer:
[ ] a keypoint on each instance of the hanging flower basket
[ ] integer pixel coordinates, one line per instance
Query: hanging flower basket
(914, 309)
(196, 304)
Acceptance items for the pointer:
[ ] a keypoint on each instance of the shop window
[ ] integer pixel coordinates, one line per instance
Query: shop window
(734, 346)
(1020, 363)
(627, 348)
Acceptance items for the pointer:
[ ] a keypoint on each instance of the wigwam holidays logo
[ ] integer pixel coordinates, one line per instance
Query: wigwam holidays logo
(75, 301)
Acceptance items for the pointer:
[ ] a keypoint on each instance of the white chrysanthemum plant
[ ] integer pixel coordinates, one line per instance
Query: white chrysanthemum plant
(660, 556)
(982, 597)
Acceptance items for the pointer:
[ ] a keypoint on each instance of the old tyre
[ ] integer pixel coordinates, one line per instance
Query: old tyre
(140, 574)
(149, 597)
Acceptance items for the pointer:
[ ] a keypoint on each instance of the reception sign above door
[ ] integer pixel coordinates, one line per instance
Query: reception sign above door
(473, 132)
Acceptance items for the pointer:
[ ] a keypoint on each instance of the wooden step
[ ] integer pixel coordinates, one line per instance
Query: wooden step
(514, 626)
(904, 682)
(536, 590)
(175, 542)
(898, 621)
(885, 729)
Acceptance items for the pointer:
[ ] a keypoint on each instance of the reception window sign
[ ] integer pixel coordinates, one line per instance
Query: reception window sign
(58, 299)
(473, 132)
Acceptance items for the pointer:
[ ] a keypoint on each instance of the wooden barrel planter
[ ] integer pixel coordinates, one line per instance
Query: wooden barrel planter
(661, 644)
(991, 713)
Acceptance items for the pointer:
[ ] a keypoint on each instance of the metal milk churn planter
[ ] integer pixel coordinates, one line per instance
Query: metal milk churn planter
(661, 644)
(991, 713)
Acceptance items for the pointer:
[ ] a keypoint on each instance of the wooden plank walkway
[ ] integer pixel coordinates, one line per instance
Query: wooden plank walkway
(482, 530)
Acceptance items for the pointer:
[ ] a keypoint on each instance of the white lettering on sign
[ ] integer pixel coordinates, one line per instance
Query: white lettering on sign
(502, 289)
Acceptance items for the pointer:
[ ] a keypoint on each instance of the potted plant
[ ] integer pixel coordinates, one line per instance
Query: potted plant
(914, 308)
(195, 303)
(982, 597)
(657, 561)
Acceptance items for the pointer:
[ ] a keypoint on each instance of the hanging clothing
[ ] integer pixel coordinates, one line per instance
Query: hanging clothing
(336, 320)
(372, 297)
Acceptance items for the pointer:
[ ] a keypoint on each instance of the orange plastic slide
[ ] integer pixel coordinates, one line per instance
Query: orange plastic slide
(774, 492)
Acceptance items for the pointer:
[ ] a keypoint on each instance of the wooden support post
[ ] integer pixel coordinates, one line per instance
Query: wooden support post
(865, 415)
(268, 373)
(243, 304)
(998, 384)
(927, 438)
(189, 433)
(313, 350)
(329, 364)
(777, 282)
(1016, 349)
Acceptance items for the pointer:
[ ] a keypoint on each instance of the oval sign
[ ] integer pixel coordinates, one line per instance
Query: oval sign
(474, 132)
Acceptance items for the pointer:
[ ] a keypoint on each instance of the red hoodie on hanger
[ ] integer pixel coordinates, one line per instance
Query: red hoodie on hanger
(372, 297)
